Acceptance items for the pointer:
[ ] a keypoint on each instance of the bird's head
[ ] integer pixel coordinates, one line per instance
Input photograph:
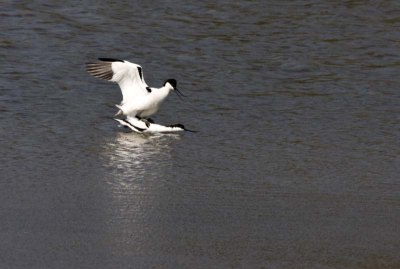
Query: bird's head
(180, 127)
(171, 84)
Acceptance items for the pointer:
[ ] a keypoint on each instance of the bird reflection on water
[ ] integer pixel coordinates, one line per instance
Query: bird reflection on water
(135, 187)
(129, 156)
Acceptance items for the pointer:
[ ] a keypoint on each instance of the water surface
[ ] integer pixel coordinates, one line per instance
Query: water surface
(295, 166)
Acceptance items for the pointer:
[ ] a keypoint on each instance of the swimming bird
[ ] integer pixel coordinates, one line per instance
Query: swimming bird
(139, 100)
(141, 127)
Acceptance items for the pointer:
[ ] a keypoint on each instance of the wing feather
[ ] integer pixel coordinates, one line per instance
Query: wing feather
(129, 76)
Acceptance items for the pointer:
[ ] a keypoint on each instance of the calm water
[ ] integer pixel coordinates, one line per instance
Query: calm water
(296, 164)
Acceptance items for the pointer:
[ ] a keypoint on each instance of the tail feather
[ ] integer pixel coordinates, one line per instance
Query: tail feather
(120, 111)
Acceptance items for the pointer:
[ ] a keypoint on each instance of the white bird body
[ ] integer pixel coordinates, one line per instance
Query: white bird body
(145, 105)
(141, 127)
(138, 99)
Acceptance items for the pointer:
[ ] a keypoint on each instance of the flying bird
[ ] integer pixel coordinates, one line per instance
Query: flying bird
(139, 101)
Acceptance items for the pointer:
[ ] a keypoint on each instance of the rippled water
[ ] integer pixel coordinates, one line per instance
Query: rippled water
(296, 164)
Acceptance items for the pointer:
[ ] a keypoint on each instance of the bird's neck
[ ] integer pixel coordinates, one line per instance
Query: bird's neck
(163, 92)
(168, 87)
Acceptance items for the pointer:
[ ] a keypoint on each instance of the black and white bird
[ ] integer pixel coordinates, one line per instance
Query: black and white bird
(141, 127)
(139, 100)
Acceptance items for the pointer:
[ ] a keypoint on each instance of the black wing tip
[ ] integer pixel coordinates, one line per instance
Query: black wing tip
(110, 60)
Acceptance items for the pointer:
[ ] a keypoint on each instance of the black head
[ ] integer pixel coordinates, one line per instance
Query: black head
(180, 126)
(177, 126)
(172, 82)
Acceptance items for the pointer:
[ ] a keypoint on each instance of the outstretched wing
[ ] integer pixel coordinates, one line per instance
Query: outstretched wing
(129, 76)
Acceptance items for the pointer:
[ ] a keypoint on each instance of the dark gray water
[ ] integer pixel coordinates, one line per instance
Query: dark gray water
(296, 164)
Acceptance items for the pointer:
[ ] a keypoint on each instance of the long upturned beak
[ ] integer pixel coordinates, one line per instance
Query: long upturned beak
(179, 94)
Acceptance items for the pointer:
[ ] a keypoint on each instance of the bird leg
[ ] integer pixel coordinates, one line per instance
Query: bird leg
(147, 122)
